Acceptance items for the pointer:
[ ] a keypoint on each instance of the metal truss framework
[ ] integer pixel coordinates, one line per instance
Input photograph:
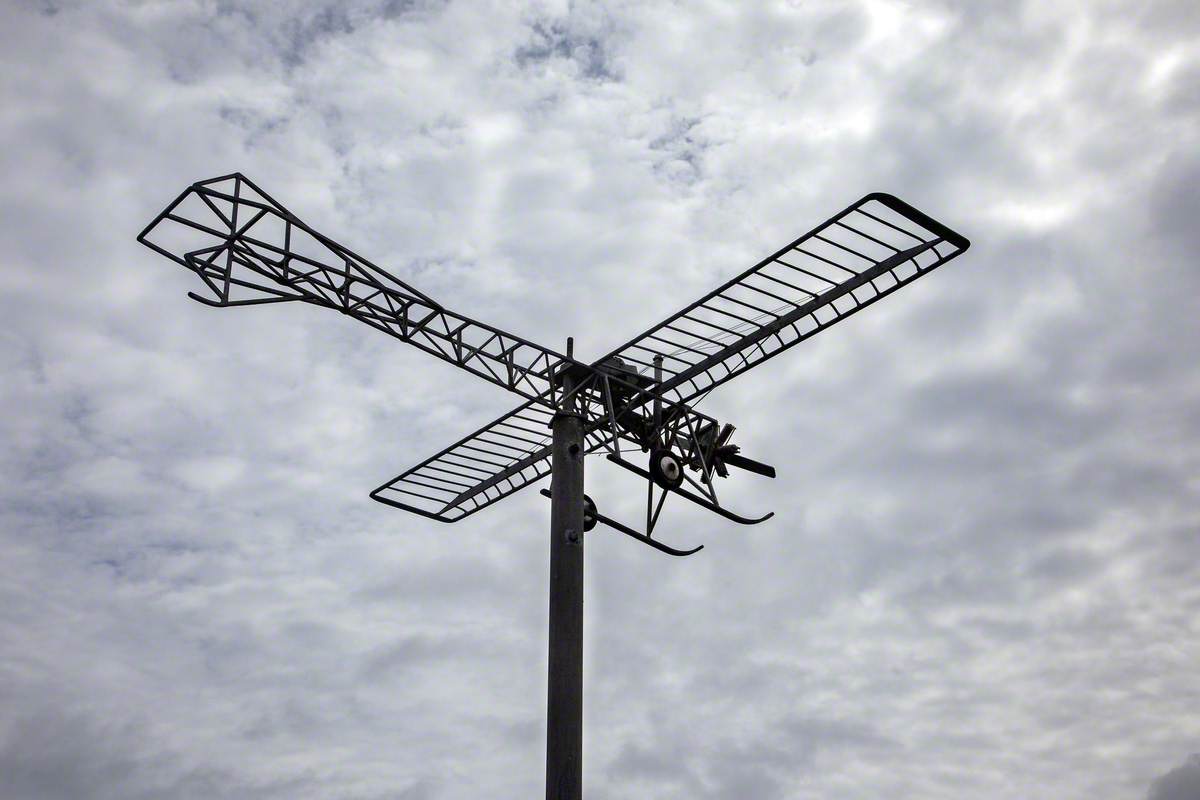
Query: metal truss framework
(861, 255)
(248, 250)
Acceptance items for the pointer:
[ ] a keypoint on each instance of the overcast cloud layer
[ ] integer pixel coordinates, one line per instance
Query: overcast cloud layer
(982, 578)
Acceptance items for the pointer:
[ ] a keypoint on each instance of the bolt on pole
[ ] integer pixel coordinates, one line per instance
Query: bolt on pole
(564, 712)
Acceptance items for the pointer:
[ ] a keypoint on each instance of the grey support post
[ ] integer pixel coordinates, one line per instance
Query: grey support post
(564, 722)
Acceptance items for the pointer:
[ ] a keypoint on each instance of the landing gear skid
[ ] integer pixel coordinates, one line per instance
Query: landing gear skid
(697, 499)
(641, 537)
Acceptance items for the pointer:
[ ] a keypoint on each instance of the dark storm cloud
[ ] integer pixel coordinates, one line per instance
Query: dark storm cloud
(981, 576)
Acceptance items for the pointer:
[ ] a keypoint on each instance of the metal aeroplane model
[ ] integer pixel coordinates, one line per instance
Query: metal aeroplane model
(248, 250)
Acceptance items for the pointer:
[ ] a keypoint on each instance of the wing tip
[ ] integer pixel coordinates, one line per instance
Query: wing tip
(378, 497)
(899, 206)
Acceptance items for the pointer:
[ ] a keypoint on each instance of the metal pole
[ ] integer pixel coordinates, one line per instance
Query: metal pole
(564, 712)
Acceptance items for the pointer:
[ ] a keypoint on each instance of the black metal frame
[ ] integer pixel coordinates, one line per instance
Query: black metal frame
(252, 244)
(250, 250)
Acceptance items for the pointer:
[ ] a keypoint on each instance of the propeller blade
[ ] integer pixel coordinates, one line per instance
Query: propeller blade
(726, 432)
(750, 465)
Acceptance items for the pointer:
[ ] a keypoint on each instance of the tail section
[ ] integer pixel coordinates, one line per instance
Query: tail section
(247, 248)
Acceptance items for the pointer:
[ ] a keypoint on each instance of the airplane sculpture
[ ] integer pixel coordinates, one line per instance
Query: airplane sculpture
(248, 250)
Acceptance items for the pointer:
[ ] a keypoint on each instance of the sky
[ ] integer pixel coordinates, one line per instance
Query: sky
(981, 579)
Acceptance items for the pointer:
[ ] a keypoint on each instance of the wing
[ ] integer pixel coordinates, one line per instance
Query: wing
(495, 461)
(848, 262)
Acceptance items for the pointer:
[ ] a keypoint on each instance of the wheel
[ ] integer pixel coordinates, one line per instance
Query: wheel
(589, 513)
(666, 469)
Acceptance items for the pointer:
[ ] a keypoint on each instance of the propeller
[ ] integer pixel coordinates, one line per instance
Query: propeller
(715, 450)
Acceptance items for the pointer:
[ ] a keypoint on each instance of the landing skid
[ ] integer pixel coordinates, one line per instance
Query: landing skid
(641, 537)
(697, 499)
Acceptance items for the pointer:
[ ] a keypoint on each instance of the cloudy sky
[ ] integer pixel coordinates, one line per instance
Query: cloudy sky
(982, 578)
